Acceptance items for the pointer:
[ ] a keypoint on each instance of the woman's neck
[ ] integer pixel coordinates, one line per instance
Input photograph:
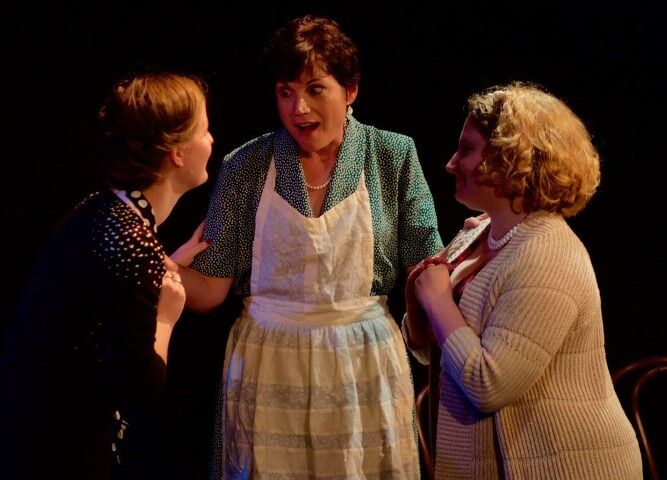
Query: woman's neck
(503, 220)
(162, 198)
(325, 156)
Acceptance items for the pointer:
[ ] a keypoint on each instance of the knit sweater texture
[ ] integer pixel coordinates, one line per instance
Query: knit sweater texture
(525, 391)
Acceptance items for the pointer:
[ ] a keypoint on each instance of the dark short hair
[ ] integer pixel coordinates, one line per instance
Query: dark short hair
(308, 42)
(142, 119)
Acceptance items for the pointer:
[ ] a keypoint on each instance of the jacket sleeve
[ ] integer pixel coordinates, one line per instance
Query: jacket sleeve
(418, 224)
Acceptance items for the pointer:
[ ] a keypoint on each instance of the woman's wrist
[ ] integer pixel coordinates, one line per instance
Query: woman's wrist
(445, 317)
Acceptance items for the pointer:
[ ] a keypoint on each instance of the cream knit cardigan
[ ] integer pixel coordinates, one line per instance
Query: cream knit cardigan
(525, 389)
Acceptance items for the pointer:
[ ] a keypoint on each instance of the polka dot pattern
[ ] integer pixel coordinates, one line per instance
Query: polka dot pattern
(126, 243)
(86, 322)
(404, 220)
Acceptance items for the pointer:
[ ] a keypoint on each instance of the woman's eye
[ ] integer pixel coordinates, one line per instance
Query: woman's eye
(315, 89)
(283, 92)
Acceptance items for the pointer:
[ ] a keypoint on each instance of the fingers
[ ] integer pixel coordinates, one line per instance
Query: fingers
(196, 236)
(428, 262)
(171, 300)
(437, 266)
(169, 264)
(199, 231)
(436, 261)
(415, 273)
(200, 247)
(186, 253)
(421, 266)
(173, 277)
(472, 222)
(433, 276)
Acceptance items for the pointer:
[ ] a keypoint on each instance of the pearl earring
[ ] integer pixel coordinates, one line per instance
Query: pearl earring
(348, 112)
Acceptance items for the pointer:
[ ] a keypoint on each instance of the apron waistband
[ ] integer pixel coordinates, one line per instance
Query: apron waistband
(269, 310)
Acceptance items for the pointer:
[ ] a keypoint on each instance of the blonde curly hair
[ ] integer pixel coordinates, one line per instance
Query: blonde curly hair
(539, 152)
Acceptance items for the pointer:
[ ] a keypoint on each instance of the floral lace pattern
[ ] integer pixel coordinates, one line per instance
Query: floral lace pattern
(279, 275)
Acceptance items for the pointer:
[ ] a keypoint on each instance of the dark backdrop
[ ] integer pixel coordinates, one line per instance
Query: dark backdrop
(419, 64)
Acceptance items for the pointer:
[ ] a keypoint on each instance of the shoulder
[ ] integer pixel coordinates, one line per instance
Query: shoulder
(551, 236)
(385, 140)
(250, 155)
(548, 252)
(126, 248)
(392, 152)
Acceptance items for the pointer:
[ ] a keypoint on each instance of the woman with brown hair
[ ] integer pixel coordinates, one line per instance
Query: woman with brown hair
(84, 362)
(312, 224)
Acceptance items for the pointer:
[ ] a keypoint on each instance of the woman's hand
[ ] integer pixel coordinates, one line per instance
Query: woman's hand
(434, 292)
(417, 324)
(172, 299)
(169, 308)
(186, 253)
(433, 285)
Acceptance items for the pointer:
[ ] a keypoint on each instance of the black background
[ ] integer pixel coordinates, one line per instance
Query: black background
(420, 61)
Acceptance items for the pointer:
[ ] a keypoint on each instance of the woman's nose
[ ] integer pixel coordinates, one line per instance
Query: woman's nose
(301, 106)
(450, 166)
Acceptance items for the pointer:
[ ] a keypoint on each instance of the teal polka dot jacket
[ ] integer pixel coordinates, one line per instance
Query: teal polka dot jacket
(404, 220)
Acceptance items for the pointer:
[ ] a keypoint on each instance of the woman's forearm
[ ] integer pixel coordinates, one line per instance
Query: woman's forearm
(445, 317)
(204, 293)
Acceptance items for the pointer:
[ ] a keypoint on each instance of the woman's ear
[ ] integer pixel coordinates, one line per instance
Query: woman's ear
(176, 157)
(351, 94)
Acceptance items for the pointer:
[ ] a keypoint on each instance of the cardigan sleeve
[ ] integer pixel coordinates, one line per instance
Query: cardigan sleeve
(535, 310)
(507, 360)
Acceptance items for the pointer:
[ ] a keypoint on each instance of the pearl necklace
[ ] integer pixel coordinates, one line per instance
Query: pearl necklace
(502, 241)
(319, 187)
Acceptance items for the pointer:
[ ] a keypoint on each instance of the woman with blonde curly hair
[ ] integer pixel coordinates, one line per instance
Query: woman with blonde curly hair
(513, 303)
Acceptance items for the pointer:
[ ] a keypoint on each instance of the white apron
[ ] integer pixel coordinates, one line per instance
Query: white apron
(316, 378)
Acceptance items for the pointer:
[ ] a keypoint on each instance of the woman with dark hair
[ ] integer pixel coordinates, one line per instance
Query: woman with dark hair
(524, 389)
(312, 224)
(85, 357)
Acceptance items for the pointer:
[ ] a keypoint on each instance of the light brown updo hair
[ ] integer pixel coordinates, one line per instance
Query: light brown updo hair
(539, 151)
(144, 118)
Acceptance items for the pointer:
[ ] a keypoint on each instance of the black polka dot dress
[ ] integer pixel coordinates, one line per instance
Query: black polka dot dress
(80, 370)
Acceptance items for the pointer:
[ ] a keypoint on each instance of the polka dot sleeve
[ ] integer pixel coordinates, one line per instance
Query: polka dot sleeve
(230, 221)
(418, 235)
